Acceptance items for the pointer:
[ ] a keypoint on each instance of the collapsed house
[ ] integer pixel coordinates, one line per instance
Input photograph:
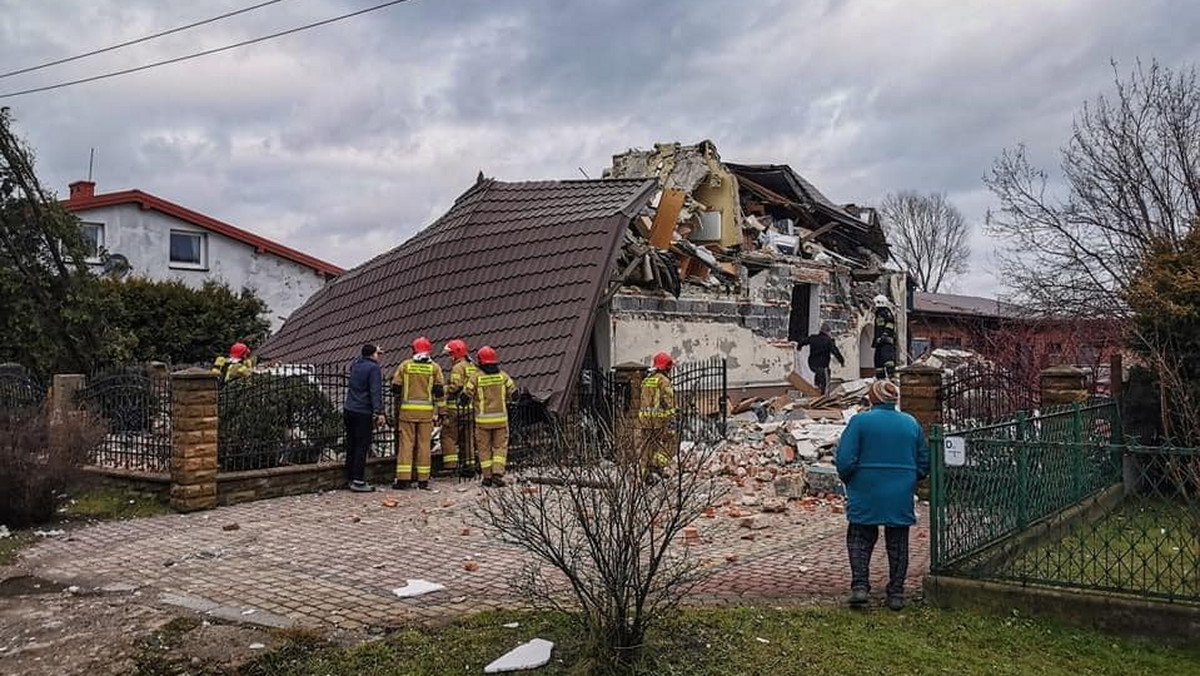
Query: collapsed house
(742, 261)
(673, 250)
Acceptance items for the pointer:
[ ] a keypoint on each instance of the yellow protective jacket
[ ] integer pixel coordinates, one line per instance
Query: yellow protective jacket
(460, 375)
(490, 393)
(658, 398)
(419, 390)
(228, 369)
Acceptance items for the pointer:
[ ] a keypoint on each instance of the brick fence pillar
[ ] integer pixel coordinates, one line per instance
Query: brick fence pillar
(1062, 385)
(921, 394)
(62, 397)
(193, 440)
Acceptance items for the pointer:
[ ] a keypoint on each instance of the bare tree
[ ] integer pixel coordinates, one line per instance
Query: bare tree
(606, 540)
(1130, 182)
(928, 236)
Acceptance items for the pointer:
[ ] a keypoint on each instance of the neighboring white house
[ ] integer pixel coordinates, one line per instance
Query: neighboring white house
(162, 240)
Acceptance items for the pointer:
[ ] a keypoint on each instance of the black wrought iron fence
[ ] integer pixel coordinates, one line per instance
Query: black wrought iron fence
(985, 393)
(134, 404)
(18, 389)
(288, 415)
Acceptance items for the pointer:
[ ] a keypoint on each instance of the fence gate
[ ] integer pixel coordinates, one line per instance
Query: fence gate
(18, 389)
(979, 394)
(134, 404)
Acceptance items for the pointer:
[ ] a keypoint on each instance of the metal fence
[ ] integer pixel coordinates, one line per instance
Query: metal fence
(1057, 500)
(134, 404)
(293, 415)
(984, 393)
(18, 389)
(288, 415)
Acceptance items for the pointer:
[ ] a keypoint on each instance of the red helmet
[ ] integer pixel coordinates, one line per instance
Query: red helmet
(663, 361)
(457, 348)
(422, 346)
(239, 351)
(487, 355)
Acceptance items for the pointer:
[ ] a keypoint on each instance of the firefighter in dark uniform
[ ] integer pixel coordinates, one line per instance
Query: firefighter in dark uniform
(885, 339)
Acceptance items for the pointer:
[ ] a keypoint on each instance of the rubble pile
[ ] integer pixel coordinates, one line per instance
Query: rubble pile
(782, 449)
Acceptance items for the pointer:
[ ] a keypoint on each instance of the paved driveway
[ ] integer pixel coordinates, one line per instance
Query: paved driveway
(333, 559)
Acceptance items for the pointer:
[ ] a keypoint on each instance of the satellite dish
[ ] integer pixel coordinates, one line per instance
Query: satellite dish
(116, 265)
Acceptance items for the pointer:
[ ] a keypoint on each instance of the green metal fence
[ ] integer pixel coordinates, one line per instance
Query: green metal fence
(1056, 500)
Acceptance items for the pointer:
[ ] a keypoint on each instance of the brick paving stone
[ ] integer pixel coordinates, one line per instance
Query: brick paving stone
(303, 558)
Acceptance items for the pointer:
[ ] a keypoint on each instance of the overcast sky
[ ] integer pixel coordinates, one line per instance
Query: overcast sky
(345, 140)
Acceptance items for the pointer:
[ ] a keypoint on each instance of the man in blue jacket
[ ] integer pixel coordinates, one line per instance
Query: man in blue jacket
(363, 410)
(881, 457)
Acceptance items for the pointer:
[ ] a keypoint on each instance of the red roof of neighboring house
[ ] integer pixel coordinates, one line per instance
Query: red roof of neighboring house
(82, 199)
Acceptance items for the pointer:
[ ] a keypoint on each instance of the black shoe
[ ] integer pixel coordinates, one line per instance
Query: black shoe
(361, 487)
(401, 485)
(498, 481)
(858, 598)
(487, 482)
(895, 603)
(423, 485)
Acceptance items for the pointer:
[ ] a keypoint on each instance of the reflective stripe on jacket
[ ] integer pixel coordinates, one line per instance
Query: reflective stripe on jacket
(490, 394)
(658, 397)
(417, 385)
(460, 374)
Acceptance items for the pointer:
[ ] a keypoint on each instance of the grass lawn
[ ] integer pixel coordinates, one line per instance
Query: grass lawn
(1141, 546)
(754, 641)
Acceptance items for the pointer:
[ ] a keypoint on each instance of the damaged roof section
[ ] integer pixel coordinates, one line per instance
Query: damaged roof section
(710, 218)
(519, 266)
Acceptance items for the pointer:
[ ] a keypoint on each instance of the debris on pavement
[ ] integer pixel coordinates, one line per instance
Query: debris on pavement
(390, 502)
(531, 655)
(230, 526)
(417, 587)
(58, 532)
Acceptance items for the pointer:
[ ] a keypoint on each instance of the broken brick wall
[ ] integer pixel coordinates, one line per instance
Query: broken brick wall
(749, 327)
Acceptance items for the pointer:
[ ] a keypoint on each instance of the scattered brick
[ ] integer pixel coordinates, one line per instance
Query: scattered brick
(470, 566)
(230, 526)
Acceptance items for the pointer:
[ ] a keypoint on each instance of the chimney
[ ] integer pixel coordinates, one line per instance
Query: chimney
(82, 191)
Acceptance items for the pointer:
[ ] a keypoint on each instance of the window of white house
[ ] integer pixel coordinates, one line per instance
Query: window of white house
(188, 250)
(93, 240)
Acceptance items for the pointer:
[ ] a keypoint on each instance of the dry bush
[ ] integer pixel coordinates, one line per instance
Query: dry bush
(606, 540)
(39, 459)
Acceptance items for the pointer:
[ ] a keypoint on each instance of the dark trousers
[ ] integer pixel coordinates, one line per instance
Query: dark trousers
(821, 376)
(860, 543)
(885, 360)
(358, 443)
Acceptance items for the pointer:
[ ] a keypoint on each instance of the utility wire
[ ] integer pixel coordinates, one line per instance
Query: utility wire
(206, 52)
(147, 38)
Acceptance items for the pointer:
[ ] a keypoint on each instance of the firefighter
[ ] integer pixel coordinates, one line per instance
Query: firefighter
(458, 411)
(490, 390)
(656, 415)
(885, 339)
(238, 364)
(418, 389)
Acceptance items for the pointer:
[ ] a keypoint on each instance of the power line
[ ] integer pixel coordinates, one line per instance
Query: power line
(147, 38)
(206, 52)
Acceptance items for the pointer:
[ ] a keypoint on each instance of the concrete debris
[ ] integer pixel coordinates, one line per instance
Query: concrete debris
(4, 532)
(531, 655)
(511, 625)
(230, 526)
(58, 532)
(417, 588)
(257, 646)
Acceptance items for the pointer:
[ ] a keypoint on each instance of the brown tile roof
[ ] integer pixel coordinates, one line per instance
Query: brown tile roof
(519, 266)
(951, 304)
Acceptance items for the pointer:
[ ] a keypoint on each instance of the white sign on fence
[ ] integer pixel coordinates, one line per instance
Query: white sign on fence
(956, 451)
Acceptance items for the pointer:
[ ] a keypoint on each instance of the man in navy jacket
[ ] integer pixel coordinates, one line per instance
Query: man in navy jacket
(362, 411)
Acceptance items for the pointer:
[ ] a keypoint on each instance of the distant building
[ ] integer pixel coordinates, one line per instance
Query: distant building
(162, 240)
(1007, 333)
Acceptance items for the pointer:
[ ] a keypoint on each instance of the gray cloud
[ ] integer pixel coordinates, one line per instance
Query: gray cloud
(345, 140)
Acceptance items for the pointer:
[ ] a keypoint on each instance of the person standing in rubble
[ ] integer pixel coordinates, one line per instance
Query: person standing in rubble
(454, 423)
(419, 390)
(490, 390)
(880, 458)
(885, 338)
(820, 348)
(656, 417)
